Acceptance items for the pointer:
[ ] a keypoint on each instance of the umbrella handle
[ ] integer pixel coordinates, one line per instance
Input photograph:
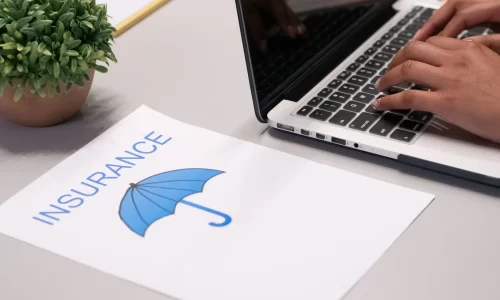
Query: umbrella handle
(227, 218)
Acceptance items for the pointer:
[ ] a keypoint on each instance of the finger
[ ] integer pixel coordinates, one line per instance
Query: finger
(411, 99)
(414, 72)
(280, 12)
(490, 41)
(295, 21)
(422, 52)
(436, 22)
(474, 15)
(447, 43)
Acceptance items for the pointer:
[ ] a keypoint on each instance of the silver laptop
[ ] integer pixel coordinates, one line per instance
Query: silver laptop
(320, 85)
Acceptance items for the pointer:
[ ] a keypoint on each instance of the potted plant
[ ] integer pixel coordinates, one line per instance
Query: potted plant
(49, 51)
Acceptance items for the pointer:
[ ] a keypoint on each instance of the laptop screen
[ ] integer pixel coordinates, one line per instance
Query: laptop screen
(285, 37)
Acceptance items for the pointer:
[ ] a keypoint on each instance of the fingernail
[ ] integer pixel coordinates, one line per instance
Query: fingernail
(377, 84)
(417, 34)
(376, 103)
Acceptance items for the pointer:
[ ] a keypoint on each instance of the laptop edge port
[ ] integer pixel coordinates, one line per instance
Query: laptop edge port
(320, 136)
(338, 141)
(305, 132)
(286, 127)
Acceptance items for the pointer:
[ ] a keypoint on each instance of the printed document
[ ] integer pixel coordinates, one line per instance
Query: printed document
(197, 215)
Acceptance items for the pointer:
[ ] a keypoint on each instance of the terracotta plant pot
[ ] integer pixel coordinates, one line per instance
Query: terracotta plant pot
(34, 111)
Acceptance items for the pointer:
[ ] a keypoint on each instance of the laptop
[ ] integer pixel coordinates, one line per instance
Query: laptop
(320, 85)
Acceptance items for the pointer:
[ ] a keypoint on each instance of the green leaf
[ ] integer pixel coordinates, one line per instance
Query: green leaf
(24, 22)
(69, 16)
(74, 65)
(26, 50)
(9, 46)
(34, 53)
(47, 52)
(101, 69)
(3, 84)
(19, 94)
(73, 44)
(20, 47)
(65, 7)
(88, 24)
(72, 53)
(41, 24)
(20, 68)
(2, 60)
(3, 22)
(46, 78)
(29, 31)
(68, 86)
(57, 70)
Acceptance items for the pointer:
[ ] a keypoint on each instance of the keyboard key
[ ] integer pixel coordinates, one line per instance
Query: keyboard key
(349, 88)
(427, 12)
(334, 84)
(420, 88)
(404, 85)
(402, 135)
(386, 124)
(370, 89)
(419, 21)
(399, 42)
(417, 8)
(365, 98)
(401, 111)
(342, 118)
(339, 97)
(393, 90)
(374, 80)
(372, 110)
(325, 92)
(353, 67)
(411, 15)
(406, 35)
(366, 72)
(304, 111)
(383, 56)
(344, 75)
(374, 64)
(411, 125)
(371, 51)
(383, 71)
(315, 101)
(363, 121)
(391, 49)
(354, 106)
(379, 43)
(404, 21)
(387, 36)
(362, 59)
(412, 28)
(420, 116)
(396, 28)
(330, 106)
(357, 80)
(321, 115)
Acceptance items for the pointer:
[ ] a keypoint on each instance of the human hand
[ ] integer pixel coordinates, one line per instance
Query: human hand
(257, 12)
(457, 15)
(491, 41)
(463, 78)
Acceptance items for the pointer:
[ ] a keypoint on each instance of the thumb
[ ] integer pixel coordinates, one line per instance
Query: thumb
(491, 41)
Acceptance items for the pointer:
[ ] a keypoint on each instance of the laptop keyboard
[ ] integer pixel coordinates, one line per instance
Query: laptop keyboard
(346, 100)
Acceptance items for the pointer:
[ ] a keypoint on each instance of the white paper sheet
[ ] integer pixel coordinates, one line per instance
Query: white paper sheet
(298, 229)
(120, 10)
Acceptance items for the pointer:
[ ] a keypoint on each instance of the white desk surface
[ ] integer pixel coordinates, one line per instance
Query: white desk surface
(188, 64)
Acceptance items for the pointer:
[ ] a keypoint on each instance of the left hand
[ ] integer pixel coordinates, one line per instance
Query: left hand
(464, 78)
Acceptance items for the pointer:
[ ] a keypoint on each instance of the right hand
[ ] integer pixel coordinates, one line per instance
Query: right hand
(458, 15)
(255, 12)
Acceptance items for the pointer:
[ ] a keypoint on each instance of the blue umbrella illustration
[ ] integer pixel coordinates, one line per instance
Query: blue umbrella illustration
(157, 197)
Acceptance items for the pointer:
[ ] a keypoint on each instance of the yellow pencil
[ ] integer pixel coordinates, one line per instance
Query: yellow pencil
(139, 16)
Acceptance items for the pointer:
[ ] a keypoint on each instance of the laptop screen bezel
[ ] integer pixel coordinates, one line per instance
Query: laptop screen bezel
(378, 14)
